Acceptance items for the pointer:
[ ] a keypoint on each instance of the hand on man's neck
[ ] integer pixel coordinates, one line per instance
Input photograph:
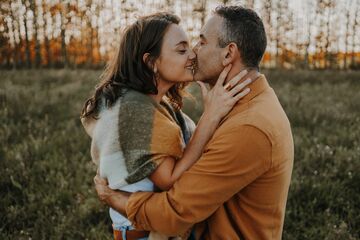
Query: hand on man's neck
(252, 73)
(236, 68)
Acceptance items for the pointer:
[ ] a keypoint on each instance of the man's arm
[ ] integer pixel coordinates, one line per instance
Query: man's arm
(231, 161)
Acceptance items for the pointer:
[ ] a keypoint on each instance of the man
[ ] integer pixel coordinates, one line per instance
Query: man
(239, 186)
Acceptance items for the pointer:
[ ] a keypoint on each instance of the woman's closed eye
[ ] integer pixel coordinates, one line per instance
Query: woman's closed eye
(182, 51)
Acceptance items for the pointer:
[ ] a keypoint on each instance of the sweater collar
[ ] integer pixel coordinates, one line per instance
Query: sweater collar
(258, 86)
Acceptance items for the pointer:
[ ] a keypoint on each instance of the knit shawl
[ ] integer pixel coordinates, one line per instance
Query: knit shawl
(132, 137)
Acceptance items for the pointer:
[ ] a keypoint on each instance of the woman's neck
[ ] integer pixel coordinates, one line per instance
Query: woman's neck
(163, 87)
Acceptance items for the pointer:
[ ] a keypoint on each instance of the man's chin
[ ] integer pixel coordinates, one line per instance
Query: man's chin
(204, 80)
(201, 78)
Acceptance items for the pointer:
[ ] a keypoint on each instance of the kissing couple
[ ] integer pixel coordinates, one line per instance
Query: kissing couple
(164, 177)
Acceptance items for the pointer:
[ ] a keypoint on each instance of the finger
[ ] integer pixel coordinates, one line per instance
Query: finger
(223, 74)
(95, 179)
(103, 181)
(237, 78)
(99, 180)
(253, 75)
(203, 88)
(242, 94)
(240, 87)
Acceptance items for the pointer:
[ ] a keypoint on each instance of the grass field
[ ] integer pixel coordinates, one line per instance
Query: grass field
(46, 173)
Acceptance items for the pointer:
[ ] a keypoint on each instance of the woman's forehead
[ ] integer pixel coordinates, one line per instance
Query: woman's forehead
(175, 35)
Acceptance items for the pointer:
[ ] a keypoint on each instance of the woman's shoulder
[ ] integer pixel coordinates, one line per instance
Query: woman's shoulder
(136, 106)
(130, 100)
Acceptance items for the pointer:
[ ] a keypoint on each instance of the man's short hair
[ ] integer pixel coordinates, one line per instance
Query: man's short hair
(245, 28)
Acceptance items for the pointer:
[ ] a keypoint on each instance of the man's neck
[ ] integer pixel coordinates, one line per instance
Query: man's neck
(236, 68)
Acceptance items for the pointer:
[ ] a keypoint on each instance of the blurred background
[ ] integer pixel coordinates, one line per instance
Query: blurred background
(311, 34)
(53, 52)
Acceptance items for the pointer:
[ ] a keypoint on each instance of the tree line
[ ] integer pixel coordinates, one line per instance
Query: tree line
(316, 34)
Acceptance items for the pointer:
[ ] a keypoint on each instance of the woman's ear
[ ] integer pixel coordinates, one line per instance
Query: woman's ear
(146, 58)
(230, 54)
(149, 63)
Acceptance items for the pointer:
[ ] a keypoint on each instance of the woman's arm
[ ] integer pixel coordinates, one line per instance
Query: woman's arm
(171, 169)
(217, 103)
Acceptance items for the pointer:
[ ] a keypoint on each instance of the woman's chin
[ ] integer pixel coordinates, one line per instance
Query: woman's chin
(187, 78)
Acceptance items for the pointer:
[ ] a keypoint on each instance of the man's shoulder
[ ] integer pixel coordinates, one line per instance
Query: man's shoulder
(239, 129)
(257, 117)
(247, 119)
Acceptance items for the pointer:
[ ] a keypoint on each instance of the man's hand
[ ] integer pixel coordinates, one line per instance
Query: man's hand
(115, 199)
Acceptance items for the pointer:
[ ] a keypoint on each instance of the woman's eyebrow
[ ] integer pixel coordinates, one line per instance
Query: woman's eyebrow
(182, 43)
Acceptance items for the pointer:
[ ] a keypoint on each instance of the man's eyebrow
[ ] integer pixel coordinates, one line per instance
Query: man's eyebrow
(182, 42)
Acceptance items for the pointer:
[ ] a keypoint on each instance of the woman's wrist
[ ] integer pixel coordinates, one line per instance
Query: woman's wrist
(210, 118)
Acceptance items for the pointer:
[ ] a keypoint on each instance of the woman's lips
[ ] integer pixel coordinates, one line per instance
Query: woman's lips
(192, 67)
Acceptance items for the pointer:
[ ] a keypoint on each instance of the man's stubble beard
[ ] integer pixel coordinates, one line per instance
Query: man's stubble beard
(202, 78)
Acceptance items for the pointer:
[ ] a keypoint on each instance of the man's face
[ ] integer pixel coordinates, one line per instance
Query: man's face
(209, 58)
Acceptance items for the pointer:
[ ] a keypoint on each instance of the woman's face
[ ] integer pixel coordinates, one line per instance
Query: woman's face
(176, 61)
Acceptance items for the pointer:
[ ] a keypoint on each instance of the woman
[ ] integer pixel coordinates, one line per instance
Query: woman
(140, 138)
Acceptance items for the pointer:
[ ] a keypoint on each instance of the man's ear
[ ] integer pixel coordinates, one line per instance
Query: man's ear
(230, 54)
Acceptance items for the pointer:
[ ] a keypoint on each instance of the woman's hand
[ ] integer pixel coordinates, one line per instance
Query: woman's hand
(103, 191)
(115, 199)
(221, 99)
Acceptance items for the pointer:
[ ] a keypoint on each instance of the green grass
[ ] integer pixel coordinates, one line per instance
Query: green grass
(46, 173)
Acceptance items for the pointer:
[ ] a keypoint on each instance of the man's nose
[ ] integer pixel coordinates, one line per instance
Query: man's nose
(195, 48)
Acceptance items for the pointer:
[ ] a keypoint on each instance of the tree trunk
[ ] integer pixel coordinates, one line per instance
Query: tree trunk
(62, 34)
(16, 50)
(355, 26)
(347, 34)
(36, 39)
(307, 45)
(27, 47)
(327, 45)
(46, 37)
(5, 36)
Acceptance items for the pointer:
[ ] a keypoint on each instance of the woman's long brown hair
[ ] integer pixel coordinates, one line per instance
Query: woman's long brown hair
(127, 70)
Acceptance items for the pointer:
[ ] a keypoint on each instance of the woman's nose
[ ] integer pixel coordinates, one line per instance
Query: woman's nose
(192, 55)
